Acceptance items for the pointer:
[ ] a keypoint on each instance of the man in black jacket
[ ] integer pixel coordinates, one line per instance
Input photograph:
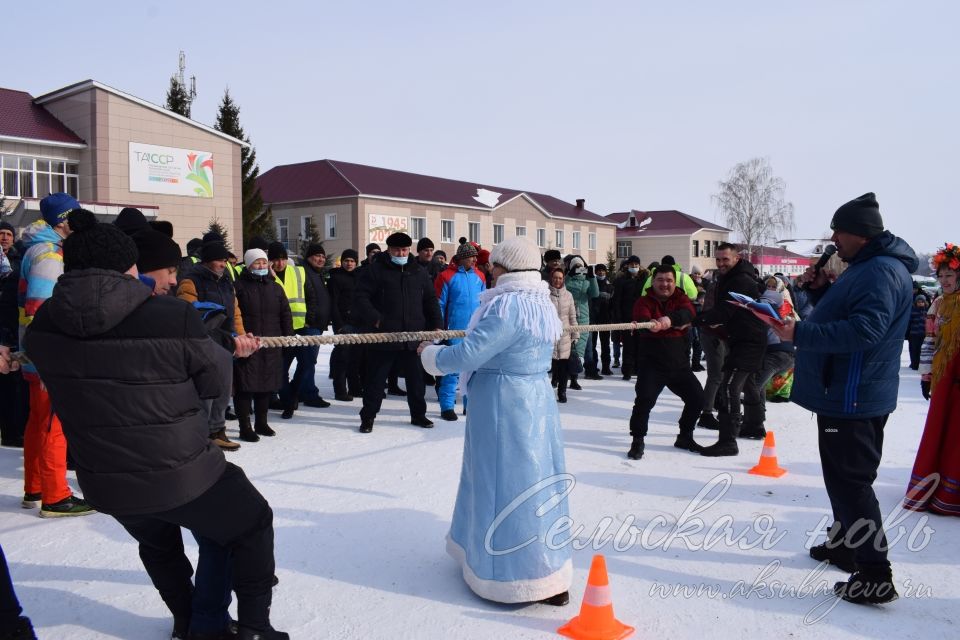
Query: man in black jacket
(627, 289)
(14, 393)
(345, 359)
(600, 314)
(127, 373)
(746, 340)
(395, 294)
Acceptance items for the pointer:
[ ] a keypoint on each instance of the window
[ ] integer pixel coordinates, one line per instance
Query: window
(305, 222)
(521, 232)
(473, 231)
(592, 241)
(418, 228)
(696, 248)
(28, 177)
(541, 238)
(559, 238)
(575, 240)
(446, 231)
(624, 248)
(283, 231)
(330, 226)
(497, 233)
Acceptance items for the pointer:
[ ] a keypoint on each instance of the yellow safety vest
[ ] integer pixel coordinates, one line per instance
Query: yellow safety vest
(293, 285)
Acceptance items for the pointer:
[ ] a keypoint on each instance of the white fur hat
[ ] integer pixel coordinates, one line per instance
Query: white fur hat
(516, 254)
(577, 261)
(252, 255)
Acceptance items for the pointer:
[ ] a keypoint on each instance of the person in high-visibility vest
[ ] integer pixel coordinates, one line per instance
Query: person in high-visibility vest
(302, 297)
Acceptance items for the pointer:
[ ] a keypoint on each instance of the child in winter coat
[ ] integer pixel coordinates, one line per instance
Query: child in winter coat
(266, 312)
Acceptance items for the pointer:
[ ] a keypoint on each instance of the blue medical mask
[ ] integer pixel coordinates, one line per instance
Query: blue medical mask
(399, 260)
(633, 269)
(259, 272)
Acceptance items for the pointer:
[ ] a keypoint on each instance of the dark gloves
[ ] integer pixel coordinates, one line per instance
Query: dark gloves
(925, 389)
(590, 271)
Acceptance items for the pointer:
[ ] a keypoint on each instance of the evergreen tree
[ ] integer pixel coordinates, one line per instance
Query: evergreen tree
(256, 220)
(611, 264)
(178, 100)
(220, 230)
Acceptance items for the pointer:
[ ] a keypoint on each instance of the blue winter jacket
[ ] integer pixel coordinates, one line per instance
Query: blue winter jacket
(848, 349)
(458, 292)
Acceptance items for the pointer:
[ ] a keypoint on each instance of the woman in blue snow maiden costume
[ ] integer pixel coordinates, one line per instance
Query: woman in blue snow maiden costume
(513, 484)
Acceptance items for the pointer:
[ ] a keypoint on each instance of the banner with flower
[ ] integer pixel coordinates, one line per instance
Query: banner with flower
(171, 171)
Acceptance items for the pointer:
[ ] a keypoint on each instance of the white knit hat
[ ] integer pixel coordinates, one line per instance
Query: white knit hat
(516, 254)
(252, 255)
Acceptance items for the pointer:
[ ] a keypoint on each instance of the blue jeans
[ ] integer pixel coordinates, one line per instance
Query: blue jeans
(590, 356)
(303, 376)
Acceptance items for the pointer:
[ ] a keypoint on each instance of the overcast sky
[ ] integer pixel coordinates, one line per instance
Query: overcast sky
(642, 105)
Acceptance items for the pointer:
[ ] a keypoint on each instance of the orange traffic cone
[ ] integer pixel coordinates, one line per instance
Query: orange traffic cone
(596, 621)
(768, 459)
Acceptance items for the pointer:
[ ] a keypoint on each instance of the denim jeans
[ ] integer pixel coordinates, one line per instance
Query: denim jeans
(304, 375)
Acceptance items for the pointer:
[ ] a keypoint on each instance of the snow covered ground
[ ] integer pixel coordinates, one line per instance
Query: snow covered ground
(361, 519)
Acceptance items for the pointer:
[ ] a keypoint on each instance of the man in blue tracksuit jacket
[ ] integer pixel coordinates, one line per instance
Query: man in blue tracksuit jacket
(847, 372)
(458, 290)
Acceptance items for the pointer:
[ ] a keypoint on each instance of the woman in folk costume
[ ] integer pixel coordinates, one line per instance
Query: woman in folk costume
(935, 481)
(513, 484)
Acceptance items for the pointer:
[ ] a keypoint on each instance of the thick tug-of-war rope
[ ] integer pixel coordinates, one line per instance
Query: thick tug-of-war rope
(271, 342)
(420, 336)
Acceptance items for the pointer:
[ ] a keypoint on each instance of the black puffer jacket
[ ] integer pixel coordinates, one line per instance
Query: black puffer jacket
(127, 374)
(746, 336)
(318, 307)
(600, 306)
(9, 309)
(626, 291)
(217, 290)
(391, 297)
(341, 286)
(269, 315)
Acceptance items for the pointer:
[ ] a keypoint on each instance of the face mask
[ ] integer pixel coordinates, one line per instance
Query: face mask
(259, 272)
(400, 260)
(633, 269)
(601, 278)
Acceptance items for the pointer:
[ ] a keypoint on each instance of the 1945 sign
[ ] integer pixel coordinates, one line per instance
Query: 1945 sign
(380, 226)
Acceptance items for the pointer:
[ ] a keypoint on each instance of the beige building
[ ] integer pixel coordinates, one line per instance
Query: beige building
(351, 205)
(110, 149)
(654, 234)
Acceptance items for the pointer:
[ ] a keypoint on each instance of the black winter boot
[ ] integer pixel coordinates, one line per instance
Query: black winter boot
(686, 442)
(835, 552)
(247, 434)
(752, 432)
(636, 449)
(252, 634)
(707, 421)
(726, 445)
(868, 586)
(262, 428)
(574, 384)
(22, 629)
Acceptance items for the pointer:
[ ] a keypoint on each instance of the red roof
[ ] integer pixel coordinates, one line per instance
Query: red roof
(335, 179)
(771, 252)
(20, 117)
(659, 223)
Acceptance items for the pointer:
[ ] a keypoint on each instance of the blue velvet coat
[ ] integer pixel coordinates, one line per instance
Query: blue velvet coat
(512, 445)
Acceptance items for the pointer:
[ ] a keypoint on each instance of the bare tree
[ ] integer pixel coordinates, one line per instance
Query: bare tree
(753, 205)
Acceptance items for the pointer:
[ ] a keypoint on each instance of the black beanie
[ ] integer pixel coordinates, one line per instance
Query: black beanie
(211, 251)
(258, 242)
(551, 254)
(424, 243)
(860, 216)
(212, 236)
(193, 245)
(157, 251)
(131, 220)
(668, 260)
(349, 254)
(9, 227)
(315, 249)
(94, 245)
(163, 226)
(373, 246)
(276, 251)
